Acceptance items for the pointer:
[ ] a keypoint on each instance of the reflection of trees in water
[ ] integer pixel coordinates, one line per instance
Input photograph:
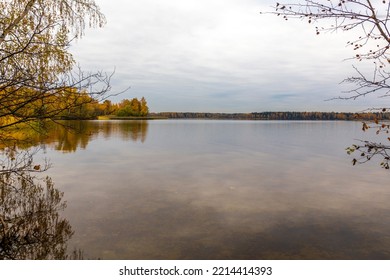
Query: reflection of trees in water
(30, 224)
(76, 134)
(72, 135)
(136, 130)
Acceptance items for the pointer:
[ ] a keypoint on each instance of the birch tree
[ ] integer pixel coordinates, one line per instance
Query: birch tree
(37, 71)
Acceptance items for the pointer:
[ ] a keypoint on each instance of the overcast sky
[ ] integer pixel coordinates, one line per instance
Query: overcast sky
(218, 56)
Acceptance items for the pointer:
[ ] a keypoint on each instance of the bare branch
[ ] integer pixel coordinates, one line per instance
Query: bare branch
(371, 19)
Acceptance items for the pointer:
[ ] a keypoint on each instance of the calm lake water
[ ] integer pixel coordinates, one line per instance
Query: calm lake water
(197, 189)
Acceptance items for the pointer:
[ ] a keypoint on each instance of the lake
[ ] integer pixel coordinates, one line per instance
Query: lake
(202, 189)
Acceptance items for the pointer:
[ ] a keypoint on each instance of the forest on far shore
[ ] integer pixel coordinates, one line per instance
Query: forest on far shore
(328, 116)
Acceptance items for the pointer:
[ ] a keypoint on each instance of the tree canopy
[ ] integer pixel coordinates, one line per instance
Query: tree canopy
(36, 68)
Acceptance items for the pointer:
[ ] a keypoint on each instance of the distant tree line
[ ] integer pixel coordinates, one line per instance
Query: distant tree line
(276, 116)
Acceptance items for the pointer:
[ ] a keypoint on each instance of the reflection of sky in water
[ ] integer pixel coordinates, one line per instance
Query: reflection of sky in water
(226, 190)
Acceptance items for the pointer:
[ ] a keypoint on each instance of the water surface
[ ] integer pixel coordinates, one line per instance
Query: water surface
(194, 189)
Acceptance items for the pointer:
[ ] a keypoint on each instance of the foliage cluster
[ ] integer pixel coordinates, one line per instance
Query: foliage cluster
(92, 109)
(133, 108)
(70, 103)
(38, 76)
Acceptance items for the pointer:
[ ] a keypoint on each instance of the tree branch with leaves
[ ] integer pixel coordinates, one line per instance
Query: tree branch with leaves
(36, 68)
